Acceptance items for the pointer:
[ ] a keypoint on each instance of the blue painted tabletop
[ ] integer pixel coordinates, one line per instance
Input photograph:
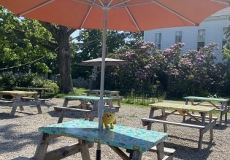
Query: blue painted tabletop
(206, 98)
(121, 136)
(88, 98)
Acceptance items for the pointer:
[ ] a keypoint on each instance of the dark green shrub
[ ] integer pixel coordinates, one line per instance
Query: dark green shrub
(49, 84)
(8, 81)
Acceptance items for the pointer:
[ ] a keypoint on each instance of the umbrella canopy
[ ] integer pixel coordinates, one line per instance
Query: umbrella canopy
(126, 15)
(98, 61)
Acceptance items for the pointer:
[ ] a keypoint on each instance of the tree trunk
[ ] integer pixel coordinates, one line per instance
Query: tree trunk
(64, 59)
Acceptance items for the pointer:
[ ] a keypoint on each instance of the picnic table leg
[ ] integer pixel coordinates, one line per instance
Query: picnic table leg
(39, 105)
(84, 150)
(211, 129)
(94, 109)
(136, 155)
(201, 131)
(151, 113)
(14, 105)
(226, 114)
(160, 151)
(164, 118)
(186, 103)
(221, 113)
(42, 147)
(60, 119)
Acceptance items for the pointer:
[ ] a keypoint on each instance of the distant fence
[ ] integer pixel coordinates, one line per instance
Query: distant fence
(139, 96)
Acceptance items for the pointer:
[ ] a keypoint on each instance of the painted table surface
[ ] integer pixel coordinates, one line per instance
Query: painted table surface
(21, 93)
(87, 98)
(177, 106)
(206, 98)
(126, 137)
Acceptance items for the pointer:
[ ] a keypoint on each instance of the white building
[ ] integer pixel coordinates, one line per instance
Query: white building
(211, 30)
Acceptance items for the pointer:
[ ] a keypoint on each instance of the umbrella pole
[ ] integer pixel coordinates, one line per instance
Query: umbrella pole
(101, 102)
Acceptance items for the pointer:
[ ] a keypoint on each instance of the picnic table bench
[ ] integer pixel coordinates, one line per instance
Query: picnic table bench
(182, 110)
(134, 139)
(222, 106)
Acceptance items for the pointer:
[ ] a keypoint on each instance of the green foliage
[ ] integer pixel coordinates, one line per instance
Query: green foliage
(51, 85)
(9, 80)
(22, 44)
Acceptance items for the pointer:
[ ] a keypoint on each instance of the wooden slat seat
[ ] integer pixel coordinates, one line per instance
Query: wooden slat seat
(72, 109)
(5, 101)
(146, 121)
(32, 99)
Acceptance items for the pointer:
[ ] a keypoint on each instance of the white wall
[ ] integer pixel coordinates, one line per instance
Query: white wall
(213, 34)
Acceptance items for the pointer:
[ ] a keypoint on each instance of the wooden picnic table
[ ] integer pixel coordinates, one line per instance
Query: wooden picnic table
(222, 107)
(107, 93)
(37, 89)
(182, 110)
(90, 112)
(18, 100)
(135, 139)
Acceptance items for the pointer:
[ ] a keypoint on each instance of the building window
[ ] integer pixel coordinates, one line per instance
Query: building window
(158, 40)
(224, 40)
(178, 37)
(201, 39)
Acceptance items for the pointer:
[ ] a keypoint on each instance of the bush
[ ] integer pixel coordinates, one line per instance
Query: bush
(49, 84)
(7, 81)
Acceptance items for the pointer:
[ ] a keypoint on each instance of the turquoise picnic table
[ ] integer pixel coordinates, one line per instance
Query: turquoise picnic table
(87, 133)
(88, 106)
(222, 107)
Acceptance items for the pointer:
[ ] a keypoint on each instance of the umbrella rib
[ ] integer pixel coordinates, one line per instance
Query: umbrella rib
(131, 16)
(89, 2)
(34, 8)
(174, 12)
(86, 16)
(119, 5)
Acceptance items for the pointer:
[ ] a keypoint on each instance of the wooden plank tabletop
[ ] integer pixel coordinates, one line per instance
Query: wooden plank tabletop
(121, 136)
(21, 93)
(206, 98)
(177, 106)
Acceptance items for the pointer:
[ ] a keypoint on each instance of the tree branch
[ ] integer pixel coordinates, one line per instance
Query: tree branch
(53, 30)
(50, 46)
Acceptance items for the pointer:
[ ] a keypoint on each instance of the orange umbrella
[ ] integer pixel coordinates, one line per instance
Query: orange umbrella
(126, 15)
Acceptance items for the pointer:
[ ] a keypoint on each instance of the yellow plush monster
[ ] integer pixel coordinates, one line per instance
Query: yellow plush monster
(108, 118)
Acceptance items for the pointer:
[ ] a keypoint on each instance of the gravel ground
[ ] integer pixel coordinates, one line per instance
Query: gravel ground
(19, 135)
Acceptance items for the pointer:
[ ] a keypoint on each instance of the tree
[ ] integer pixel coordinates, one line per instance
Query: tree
(28, 37)
(17, 51)
(61, 34)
